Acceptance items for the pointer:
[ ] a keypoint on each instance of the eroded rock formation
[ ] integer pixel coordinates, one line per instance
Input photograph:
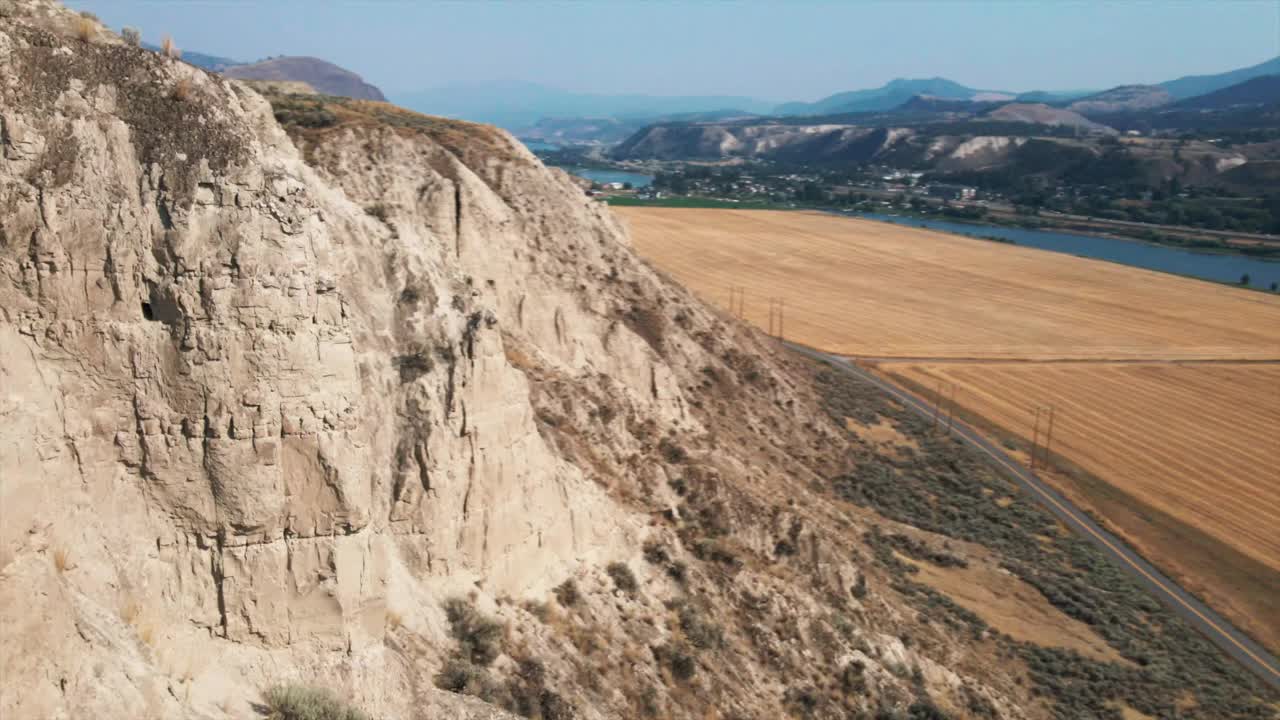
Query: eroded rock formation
(269, 401)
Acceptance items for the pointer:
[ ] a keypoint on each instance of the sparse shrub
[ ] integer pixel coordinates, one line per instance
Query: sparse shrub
(379, 211)
(530, 696)
(131, 36)
(466, 678)
(301, 111)
(714, 550)
(924, 709)
(649, 701)
(678, 660)
(700, 631)
(182, 89)
(853, 678)
(586, 638)
(655, 553)
(168, 49)
(479, 638)
(804, 700)
(672, 452)
(678, 571)
(648, 324)
(567, 593)
(86, 28)
(623, 578)
(859, 589)
(540, 610)
(300, 702)
(61, 559)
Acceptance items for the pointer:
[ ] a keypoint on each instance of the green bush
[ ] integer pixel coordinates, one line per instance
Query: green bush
(300, 702)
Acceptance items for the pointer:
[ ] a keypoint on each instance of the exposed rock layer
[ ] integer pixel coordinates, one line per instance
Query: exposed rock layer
(269, 401)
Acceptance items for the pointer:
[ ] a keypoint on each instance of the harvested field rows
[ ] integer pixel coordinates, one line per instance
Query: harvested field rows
(1199, 442)
(1181, 460)
(872, 289)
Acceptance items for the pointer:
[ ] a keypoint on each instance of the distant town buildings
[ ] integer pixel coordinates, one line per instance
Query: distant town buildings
(952, 192)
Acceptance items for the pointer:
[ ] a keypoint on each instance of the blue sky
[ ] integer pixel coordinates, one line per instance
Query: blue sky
(793, 50)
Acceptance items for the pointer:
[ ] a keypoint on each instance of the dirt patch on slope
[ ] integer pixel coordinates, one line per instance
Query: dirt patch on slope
(1015, 609)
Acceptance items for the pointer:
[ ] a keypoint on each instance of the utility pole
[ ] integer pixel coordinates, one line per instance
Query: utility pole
(737, 300)
(1035, 438)
(1048, 440)
(782, 335)
(952, 411)
(937, 407)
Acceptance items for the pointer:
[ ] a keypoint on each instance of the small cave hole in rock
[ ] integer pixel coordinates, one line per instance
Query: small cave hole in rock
(147, 311)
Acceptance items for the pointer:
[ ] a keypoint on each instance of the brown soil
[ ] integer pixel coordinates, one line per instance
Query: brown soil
(1015, 609)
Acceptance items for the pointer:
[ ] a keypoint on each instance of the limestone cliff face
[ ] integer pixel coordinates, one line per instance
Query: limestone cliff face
(268, 401)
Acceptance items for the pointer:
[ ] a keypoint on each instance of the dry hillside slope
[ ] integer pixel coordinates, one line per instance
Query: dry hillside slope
(321, 391)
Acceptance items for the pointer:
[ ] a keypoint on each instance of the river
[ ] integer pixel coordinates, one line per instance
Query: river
(1219, 267)
(637, 180)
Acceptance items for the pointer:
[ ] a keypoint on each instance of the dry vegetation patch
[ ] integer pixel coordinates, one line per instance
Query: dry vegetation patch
(1015, 608)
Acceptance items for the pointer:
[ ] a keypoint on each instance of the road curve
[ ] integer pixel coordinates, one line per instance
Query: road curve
(1221, 632)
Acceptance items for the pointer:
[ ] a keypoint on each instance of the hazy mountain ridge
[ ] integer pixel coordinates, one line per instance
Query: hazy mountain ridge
(1262, 90)
(1193, 85)
(1124, 97)
(322, 75)
(519, 105)
(888, 96)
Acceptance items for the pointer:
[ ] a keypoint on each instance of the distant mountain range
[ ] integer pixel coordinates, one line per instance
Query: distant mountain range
(540, 112)
(888, 96)
(1119, 99)
(1004, 143)
(519, 105)
(1193, 85)
(1263, 90)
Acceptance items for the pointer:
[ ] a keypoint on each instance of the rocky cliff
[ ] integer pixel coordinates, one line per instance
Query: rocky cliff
(320, 391)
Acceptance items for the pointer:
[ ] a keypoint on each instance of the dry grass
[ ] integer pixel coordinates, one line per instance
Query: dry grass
(182, 89)
(169, 49)
(86, 29)
(300, 702)
(866, 288)
(61, 559)
(1015, 608)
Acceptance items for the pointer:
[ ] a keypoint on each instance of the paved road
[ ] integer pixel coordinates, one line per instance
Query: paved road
(1222, 633)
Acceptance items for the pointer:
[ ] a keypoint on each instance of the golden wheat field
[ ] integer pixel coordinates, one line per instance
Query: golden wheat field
(1166, 389)
(859, 287)
(1194, 450)
(1200, 442)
